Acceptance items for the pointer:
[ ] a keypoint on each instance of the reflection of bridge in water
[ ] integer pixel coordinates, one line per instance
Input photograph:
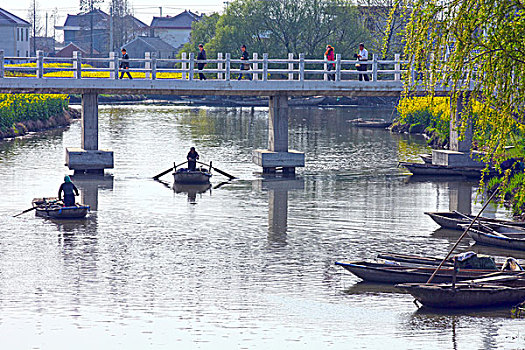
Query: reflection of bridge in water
(278, 188)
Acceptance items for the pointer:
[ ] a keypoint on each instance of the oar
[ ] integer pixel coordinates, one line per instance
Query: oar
(156, 177)
(231, 177)
(25, 211)
(463, 235)
(30, 209)
(479, 221)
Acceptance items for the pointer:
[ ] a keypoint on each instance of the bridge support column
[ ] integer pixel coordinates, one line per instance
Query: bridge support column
(278, 156)
(459, 151)
(88, 158)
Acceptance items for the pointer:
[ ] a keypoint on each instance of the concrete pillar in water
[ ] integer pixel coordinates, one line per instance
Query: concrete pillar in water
(88, 158)
(278, 155)
(460, 138)
(459, 154)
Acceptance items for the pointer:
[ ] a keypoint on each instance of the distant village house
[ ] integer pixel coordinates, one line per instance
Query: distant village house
(14, 35)
(174, 30)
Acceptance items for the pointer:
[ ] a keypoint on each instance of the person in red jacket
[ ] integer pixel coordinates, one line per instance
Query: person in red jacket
(330, 57)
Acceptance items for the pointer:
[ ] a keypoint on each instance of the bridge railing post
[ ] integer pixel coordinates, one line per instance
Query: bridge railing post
(290, 66)
(112, 64)
(153, 66)
(374, 67)
(338, 67)
(77, 64)
(192, 65)
(325, 65)
(39, 64)
(228, 56)
(265, 67)
(2, 59)
(219, 66)
(255, 66)
(301, 67)
(183, 56)
(147, 65)
(397, 67)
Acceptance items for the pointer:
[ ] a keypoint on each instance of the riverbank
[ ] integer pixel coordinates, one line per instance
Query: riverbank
(21, 114)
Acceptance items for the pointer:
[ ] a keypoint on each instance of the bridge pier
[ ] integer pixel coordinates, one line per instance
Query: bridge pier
(277, 156)
(88, 158)
(461, 133)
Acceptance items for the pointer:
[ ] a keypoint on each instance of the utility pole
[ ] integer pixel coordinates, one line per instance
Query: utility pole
(34, 27)
(46, 24)
(160, 8)
(91, 8)
(111, 44)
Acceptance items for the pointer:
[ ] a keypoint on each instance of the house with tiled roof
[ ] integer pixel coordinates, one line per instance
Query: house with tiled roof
(14, 35)
(137, 47)
(174, 30)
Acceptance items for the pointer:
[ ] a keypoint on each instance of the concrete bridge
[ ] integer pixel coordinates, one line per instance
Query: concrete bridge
(276, 78)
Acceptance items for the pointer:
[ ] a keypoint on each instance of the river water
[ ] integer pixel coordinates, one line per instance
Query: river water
(247, 264)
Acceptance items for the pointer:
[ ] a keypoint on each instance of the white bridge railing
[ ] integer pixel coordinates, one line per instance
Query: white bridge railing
(221, 68)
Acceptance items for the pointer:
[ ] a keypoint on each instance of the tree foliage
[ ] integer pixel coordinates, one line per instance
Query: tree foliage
(279, 27)
(480, 43)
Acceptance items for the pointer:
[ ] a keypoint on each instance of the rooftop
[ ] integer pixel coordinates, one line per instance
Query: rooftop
(7, 18)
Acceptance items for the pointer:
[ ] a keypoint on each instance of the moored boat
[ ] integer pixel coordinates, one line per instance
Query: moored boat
(194, 177)
(440, 170)
(371, 123)
(453, 220)
(492, 291)
(499, 236)
(53, 208)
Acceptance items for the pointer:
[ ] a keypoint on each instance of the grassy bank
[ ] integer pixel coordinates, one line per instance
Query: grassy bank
(22, 113)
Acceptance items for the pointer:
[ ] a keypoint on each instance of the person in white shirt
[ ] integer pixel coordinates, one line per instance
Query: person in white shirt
(362, 56)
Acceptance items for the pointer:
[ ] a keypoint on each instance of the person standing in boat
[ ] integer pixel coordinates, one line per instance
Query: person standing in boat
(70, 191)
(192, 159)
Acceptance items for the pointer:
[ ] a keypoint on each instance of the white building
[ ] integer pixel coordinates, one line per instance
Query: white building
(174, 30)
(14, 35)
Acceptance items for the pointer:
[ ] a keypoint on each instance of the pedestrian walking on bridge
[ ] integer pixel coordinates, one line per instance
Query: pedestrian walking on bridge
(330, 57)
(124, 64)
(201, 57)
(245, 66)
(362, 56)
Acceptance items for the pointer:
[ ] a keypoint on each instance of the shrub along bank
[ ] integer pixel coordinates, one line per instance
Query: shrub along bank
(22, 113)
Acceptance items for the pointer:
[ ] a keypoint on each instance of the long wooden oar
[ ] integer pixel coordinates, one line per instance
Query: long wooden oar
(463, 235)
(231, 177)
(30, 209)
(156, 177)
(25, 211)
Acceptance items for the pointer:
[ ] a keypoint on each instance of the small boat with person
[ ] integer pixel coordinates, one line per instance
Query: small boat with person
(198, 176)
(52, 207)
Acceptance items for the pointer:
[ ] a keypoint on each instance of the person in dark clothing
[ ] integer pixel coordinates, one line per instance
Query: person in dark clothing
(70, 191)
(201, 56)
(245, 66)
(125, 64)
(192, 159)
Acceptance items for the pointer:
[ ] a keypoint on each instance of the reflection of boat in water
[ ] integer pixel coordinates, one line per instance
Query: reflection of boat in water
(52, 208)
(195, 177)
(191, 189)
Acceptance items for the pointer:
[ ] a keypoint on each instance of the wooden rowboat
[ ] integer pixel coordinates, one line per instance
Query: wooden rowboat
(394, 274)
(499, 236)
(426, 157)
(440, 170)
(53, 208)
(193, 177)
(371, 123)
(452, 220)
(495, 291)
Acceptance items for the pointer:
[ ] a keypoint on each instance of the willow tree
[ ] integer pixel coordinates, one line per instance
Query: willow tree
(477, 45)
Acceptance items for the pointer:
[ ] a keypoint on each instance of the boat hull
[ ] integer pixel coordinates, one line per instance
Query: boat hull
(453, 221)
(74, 212)
(436, 296)
(440, 170)
(504, 241)
(192, 177)
(381, 273)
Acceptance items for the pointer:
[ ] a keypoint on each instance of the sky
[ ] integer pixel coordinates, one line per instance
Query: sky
(143, 9)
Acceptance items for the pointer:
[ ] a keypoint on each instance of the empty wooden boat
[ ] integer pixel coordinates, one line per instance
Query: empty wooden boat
(499, 236)
(440, 170)
(453, 220)
(394, 274)
(53, 208)
(493, 291)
